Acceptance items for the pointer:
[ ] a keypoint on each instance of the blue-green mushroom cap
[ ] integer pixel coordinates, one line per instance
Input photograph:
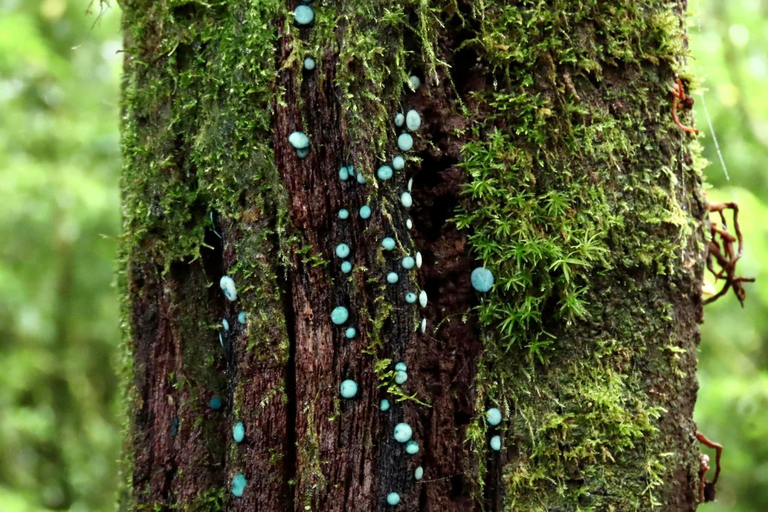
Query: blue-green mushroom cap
(399, 120)
(346, 267)
(342, 250)
(309, 63)
(401, 367)
(400, 378)
(361, 179)
(406, 199)
(495, 443)
(419, 473)
(302, 153)
(493, 416)
(238, 485)
(384, 172)
(227, 285)
(365, 212)
(384, 405)
(225, 324)
(393, 498)
(348, 388)
(215, 403)
(412, 120)
(242, 317)
(343, 214)
(408, 262)
(409, 223)
(298, 140)
(303, 15)
(415, 82)
(403, 432)
(423, 325)
(405, 142)
(339, 315)
(388, 243)
(410, 297)
(482, 279)
(412, 448)
(392, 278)
(238, 432)
(344, 174)
(423, 298)
(398, 163)
(351, 332)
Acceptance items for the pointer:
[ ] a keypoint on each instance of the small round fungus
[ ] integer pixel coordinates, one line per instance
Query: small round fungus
(384, 172)
(238, 432)
(365, 212)
(303, 15)
(412, 120)
(309, 63)
(398, 163)
(405, 142)
(493, 415)
(403, 432)
(406, 199)
(302, 153)
(215, 403)
(408, 262)
(423, 325)
(384, 405)
(423, 298)
(348, 389)
(221, 338)
(410, 184)
(351, 332)
(343, 214)
(227, 285)
(393, 498)
(399, 120)
(410, 297)
(388, 243)
(419, 473)
(238, 485)
(412, 448)
(401, 367)
(343, 174)
(225, 324)
(400, 378)
(298, 140)
(409, 224)
(242, 318)
(351, 170)
(342, 250)
(346, 267)
(495, 443)
(419, 260)
(339, 315)
(482, 279)
(392, 278)
(415, 82)
(361, 179)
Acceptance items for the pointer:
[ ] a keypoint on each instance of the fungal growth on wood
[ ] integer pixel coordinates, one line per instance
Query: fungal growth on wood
(227, 285)
(482, 280)
(238, 485)
(303, 15)
(348, 389)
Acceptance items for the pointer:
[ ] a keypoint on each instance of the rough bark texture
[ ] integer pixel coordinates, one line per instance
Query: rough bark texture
(546, 153)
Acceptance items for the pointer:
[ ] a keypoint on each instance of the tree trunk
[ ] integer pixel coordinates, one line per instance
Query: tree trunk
(546, 154)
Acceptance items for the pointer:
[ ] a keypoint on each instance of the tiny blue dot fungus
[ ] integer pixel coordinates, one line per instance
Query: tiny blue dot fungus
(238, 432)
(401, 367)
(227, 285)
(298, 140)
(423, 325)
(342, 250)
(384, 172)
(399, 120)
(419, 260)
(482, 279)
(412, 120)
(495, 443)
(309, 63)
(365, 212)
(410, 297)
(348, 388)
(403, 432)
(215, 403)
(351, 332)
(343, 174)
(408, 262)
(238, 485)
(400, 378)
(406, 199)
(423, 298)
(412, 448)
(339, 315)
(361, 179)
(398, 163)
(343, 214)
(392, 278)
(303, 15)
(384, 405)
(388, 243)
(415, 82)
(225, 324)
(409, 224)
(419, 473)
(346, 267)
(393, 498)
(405, 142)
(302, 153)
(493, 415)
(242, 318)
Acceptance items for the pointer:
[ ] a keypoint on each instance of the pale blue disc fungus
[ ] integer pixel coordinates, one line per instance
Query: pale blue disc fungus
(309, 63)
(350, 333)
(403, 432)
(242, 318)
(384, 405)
(342, 251)
(419, 260)
(351, 170)
(410, 184)
(221, 339)
(238, 432)
(238, 485)
(412, 120)
(405, 142)
(399, 120)
(225, 324)
(344, 174)
(412, 448)
(408, 262)
(409, 224)
(493, 415)
(361, 179)
(365, 212)
(348, 388)
(298, 140)
(302, 153)
(406, 199)
(482, 279)
(401, 367)
(419, 473)
(398, 163)
(392, 278)
(303, 15)
(227, 285)
(400, 378)
(393, 498)
(215, 403)
(415, 82)
(343, 214)
(495, 443)
(423, 325)
(346, 267)
(410, 297)
(423, 298)
(388, 243)
(384, 172)
(339, 315)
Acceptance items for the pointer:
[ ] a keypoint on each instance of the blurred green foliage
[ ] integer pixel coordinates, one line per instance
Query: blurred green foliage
(59, 219)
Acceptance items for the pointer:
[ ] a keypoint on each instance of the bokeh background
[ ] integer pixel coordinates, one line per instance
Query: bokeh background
(60, 422)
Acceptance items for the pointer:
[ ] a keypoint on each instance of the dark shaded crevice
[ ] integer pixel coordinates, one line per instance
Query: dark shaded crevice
(291, 462)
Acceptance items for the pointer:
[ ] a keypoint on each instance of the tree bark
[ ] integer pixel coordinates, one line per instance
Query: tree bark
(546, 153)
